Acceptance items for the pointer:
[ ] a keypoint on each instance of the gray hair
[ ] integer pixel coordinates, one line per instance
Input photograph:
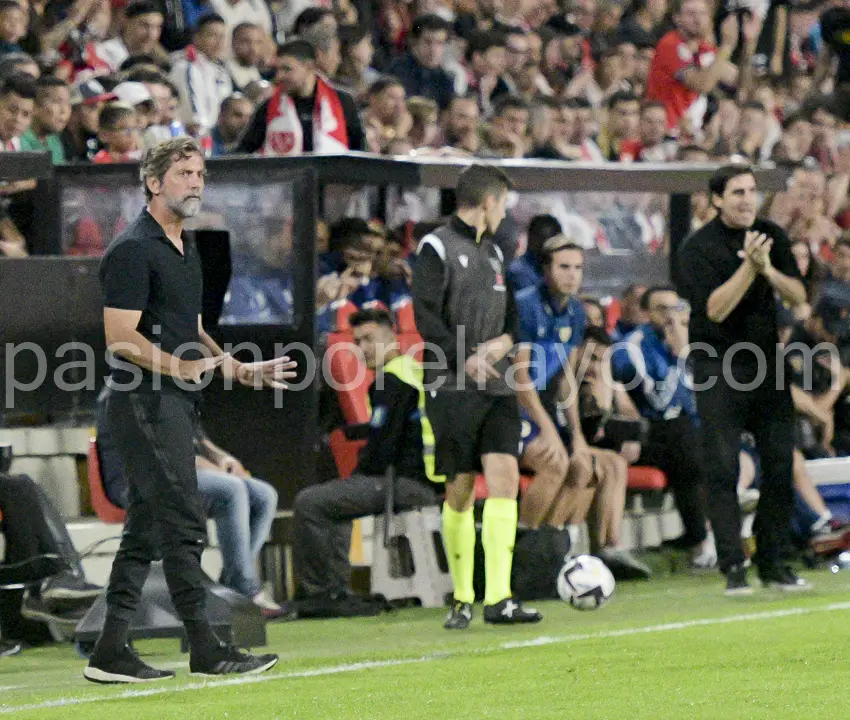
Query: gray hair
(159, 159)
(320, 36)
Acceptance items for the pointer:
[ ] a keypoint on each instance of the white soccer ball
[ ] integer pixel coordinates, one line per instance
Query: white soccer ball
(585, 583)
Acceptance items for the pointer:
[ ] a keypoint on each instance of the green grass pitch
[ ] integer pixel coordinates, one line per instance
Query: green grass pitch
(670, 648)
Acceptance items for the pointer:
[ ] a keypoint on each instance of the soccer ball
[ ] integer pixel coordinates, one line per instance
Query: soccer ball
(585, 583)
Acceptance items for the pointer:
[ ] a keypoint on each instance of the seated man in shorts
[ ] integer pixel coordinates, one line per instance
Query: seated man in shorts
(552, 327)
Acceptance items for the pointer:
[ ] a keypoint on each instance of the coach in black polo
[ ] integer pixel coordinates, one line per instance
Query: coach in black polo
(152, 289)
(732, 270)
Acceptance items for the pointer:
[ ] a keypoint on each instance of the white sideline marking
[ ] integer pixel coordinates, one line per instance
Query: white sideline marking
(372, 664)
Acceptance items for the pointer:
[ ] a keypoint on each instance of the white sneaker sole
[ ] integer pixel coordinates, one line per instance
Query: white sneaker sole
(788, 588)
(739, 592)
(103, 677)
(256, 671)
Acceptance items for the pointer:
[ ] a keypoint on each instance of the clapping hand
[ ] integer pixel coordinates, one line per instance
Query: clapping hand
(757, 250)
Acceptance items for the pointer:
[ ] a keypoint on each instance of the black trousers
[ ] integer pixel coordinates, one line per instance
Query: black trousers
(154, 435)
(323, 515)
(33, 528)
(673, 446)
(725, 411)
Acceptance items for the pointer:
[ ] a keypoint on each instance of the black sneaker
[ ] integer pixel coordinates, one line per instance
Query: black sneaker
(736, 582)
(228, 660)
(510, 612)
(64, 612)
(67, 586)
(125, 667)
(623, 565)
(9, 648)
(459, 616)
(783, 578)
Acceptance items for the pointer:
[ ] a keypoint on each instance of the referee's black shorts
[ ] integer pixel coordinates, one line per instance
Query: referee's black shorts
(469, 424)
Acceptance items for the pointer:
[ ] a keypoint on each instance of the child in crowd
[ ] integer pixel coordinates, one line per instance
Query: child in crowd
(52, 112)
(118, 133)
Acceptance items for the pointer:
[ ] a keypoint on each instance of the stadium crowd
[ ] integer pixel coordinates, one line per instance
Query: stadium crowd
(94, 81)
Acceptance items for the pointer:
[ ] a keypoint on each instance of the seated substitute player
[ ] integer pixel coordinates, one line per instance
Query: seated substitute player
(466, 314)
(552, 326)
(648, 364)
(399, 435)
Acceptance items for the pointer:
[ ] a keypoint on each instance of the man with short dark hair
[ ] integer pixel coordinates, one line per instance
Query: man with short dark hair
(420, 68)
(527, 269)
(140, 34)
(305, 114)
(398, 437)
(233, 118)
(151, 279)
(17, 102)
(201, 78)
(460, 127)
(623, 119)
(648, 362)
(509, 136)
(731, 271)
(485, 59)
(387, 112)
(246, 49)
(52, 110)
(650, 145)
(466, 314)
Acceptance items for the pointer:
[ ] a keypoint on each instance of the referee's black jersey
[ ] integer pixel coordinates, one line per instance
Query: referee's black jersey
(706, 260)
(461, 299)
(143, 270)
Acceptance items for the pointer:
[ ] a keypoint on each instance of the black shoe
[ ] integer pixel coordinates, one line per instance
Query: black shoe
(67, 612)
(67, 586)
(459, 616)
(510, 612)
(624, 566)
(9, 648)
(736, 582)
(228, 660)
(784, 578)
(338, 605)
(125, 667)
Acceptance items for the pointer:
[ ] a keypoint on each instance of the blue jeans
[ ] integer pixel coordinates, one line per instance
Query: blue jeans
(243, 510)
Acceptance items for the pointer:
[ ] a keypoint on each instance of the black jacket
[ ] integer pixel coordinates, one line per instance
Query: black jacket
(461, 299)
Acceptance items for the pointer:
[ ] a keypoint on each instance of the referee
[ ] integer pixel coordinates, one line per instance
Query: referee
(151, 281)
(465, 312)
(731, 271)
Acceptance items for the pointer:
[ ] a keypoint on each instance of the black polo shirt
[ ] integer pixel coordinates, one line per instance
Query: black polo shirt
(143, 270)
(707, 259)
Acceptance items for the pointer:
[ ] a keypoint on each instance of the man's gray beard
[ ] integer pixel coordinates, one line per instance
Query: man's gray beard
(185, 209)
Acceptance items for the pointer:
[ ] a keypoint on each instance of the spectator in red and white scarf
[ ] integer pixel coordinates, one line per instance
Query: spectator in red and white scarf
(305, 114)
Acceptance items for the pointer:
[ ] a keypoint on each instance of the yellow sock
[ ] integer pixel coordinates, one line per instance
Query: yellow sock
(498, 534)
(459, 541)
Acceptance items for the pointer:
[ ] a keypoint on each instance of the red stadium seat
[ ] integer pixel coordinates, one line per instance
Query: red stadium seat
(345, 452)
(343, 313)
(612, 314)
(404, 318)
(102, 505)
(646, 479)
(481, 486)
